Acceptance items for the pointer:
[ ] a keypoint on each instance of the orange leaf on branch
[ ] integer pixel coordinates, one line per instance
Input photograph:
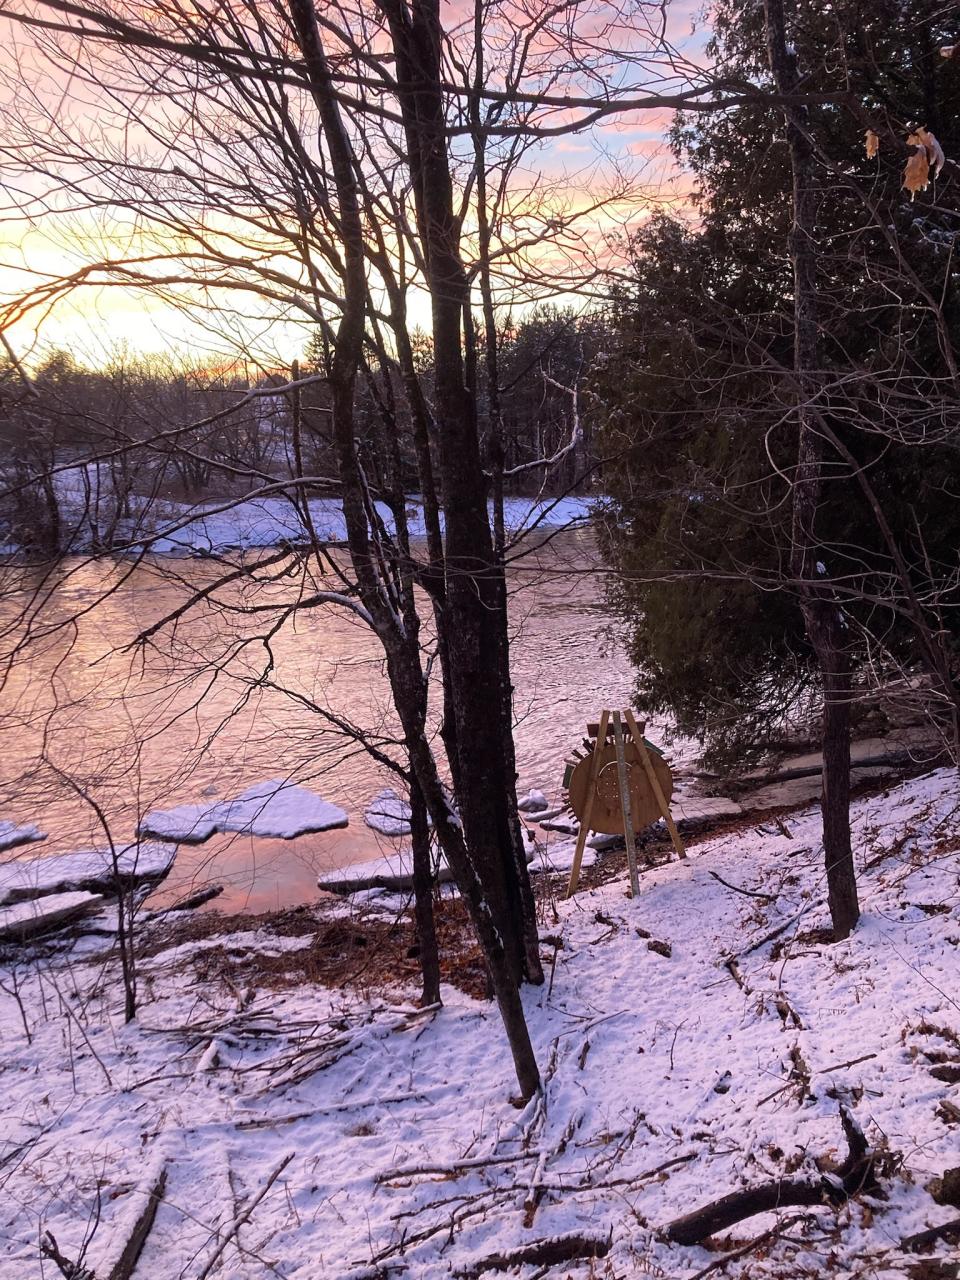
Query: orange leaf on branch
(924, 138)
(917, 173)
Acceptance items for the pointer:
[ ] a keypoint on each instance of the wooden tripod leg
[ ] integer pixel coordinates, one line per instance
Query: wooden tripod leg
(588, 807)
(625, 805)
(655, 784)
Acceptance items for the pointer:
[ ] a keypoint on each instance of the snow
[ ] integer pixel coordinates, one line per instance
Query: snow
(276, 809)
(533, 802)
(38, 914)
(13, 834)
(264, 522)
(666, 1084)
(566, 823)
(91, 869)
(691, 809)
(388, 813)
(88, 503)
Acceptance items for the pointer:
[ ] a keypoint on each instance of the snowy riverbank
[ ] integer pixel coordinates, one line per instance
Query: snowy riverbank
(670, 1079)
(246, 523)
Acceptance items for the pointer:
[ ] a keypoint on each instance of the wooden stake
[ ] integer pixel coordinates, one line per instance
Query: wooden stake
(588, 807)
(626, 805)
(655, 784)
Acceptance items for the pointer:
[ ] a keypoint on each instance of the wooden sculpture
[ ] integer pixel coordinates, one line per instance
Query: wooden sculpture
(620, 786)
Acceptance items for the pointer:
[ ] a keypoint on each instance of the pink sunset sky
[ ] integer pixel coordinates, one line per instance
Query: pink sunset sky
(45, 235)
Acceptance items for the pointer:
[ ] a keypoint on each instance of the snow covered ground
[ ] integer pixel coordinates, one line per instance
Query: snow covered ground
(356, 1136)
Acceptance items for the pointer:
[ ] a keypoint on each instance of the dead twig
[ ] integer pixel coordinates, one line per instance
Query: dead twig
(244, 1216)
(851, 1062)
(747, 893)
(455, 1166)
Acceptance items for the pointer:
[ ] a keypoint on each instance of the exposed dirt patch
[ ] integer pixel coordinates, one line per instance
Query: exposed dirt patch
(365, 951)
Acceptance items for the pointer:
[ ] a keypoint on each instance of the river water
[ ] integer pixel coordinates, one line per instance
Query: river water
(221, 699)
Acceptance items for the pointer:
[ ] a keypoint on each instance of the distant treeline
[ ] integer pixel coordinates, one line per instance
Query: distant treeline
(86, 451)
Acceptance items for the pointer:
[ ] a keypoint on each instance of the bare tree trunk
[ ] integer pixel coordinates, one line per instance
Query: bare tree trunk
(403, 660)
(531, 940)
(823, 618)
(486, 789)
(423, 896)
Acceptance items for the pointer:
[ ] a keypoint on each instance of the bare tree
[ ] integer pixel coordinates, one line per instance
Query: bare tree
(286, 164)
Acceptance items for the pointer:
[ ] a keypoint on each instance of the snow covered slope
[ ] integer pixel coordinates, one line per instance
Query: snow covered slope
(369, 1139)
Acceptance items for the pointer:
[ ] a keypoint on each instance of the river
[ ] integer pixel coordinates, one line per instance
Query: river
(190, 717)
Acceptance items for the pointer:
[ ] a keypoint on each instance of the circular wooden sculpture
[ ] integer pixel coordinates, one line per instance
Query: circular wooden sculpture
(606, 815)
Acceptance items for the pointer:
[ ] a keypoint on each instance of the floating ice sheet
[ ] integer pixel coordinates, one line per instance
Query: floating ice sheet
(274, 809)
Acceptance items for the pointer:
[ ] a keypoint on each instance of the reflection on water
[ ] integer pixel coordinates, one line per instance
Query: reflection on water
(232, 693)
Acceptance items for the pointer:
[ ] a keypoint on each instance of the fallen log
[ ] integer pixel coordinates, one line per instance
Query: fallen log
(150, 1197)
(28, 919)
(856, 1174)
(893, 759)
(546, 1253)
(189, 903)
(924, 1239)
(115, 1256)
(400, 882)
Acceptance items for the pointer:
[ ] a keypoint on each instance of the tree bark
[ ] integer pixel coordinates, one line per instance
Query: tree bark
(531, 941)
(823, 618)
(423, 896)
(478, 667)
(401, 649)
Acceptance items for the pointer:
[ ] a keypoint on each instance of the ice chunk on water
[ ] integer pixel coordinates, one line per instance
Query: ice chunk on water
(388, 813)
(275, 808)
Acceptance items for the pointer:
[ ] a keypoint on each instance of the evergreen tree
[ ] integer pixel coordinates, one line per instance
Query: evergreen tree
(698, 387)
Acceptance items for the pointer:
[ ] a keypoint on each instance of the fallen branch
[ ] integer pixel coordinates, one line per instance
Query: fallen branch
(839, 1066)
(856, 1174)
(895, 759)
(923, 1239)
(150, 1196)
(455, 1166)
(774, 933)
(67, 1267)
(733, 969)
(747, 893)
(189, 903)
(550, 1253)
(244, 1216)
(399, 882)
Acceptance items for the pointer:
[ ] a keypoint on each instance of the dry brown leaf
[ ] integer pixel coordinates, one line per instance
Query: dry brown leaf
(917, 173)
(872, 143)
(935, 155)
